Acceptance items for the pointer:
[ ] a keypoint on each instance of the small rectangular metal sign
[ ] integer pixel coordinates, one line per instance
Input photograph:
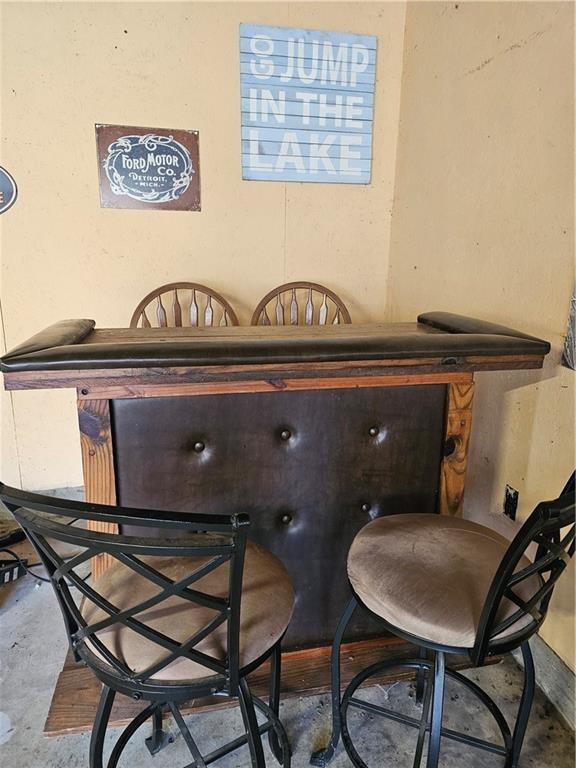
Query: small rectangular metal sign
(148, 168)
(307, 104)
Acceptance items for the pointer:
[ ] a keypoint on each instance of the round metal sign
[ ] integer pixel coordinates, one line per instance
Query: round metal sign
(8, 190)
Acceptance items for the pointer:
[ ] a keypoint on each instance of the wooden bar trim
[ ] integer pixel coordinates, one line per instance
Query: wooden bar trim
(268, 385)
(98, 466)
(459, 401)
(83, 378)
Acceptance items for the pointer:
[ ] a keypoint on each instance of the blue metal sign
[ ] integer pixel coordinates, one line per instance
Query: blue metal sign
(8, 190)
(307, 104)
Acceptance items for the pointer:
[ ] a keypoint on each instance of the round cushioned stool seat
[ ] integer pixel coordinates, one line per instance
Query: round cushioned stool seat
(429, 575)
(266, 609)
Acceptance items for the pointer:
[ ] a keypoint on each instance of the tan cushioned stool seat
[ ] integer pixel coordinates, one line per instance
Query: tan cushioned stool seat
(266, 609)
(429, 575)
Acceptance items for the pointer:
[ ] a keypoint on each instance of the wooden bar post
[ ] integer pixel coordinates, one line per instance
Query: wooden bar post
(98, 465)
(456, 440)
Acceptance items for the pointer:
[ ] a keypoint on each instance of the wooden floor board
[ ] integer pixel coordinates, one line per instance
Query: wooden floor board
(307, 672)
(304, 673)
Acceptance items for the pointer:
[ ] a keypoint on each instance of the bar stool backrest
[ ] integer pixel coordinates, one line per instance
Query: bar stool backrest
(546, 529)
(217, 539)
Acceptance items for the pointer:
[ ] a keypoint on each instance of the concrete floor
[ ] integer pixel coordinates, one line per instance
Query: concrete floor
(32, 650)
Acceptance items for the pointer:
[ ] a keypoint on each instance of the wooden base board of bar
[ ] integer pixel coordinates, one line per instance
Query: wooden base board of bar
(304, 673)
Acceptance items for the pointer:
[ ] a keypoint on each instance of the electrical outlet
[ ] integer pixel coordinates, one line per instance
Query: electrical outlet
(510, 502)
(10, 570)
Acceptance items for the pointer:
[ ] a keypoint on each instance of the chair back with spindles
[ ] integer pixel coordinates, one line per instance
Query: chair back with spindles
(301, 303)
(183, 304)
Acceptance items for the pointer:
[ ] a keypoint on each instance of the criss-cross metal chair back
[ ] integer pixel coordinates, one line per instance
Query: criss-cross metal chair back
(191, 547)
(301, 303)
(550, 528)
(216, 540)
(183, 304)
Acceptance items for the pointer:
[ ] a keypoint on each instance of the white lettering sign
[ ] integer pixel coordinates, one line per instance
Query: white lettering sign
(307, 104)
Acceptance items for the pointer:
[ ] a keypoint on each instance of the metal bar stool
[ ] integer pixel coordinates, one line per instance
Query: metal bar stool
(451, 586)
(186, 611)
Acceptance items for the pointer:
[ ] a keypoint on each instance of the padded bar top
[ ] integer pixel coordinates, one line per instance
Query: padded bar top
(63, 334)
(446, 321)
(451, 339)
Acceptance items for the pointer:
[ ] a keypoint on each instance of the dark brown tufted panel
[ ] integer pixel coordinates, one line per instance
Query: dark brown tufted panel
(311, 468)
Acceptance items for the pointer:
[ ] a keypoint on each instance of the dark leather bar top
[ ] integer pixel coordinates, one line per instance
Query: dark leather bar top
(447, 338)
(450, 323)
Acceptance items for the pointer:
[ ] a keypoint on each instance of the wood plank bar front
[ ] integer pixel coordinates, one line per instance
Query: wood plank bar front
(460, 397)
(279, 384)
(98, 466)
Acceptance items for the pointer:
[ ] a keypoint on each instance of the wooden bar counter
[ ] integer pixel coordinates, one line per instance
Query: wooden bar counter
(313, 431)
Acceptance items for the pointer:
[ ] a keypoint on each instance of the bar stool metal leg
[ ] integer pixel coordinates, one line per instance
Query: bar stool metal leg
(435, 672)
(427, 686)
(127, 734)
(525, 704)
(251, 725)
(437, 710)
(190, 743)
(153, 711)
(159, 738)
(100, 724)
(323, 756)
(285, 755)
(421, 677)
(274, 698)
(350, 701)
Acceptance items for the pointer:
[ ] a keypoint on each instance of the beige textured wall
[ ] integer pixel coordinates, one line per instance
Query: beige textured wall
(483, 225)
(69, 66)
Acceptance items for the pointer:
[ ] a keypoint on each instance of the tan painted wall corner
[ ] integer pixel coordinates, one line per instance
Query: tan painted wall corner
(483, 224)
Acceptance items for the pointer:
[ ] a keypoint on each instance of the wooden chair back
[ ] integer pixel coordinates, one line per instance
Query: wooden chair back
(183, 304)
(301, 303)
